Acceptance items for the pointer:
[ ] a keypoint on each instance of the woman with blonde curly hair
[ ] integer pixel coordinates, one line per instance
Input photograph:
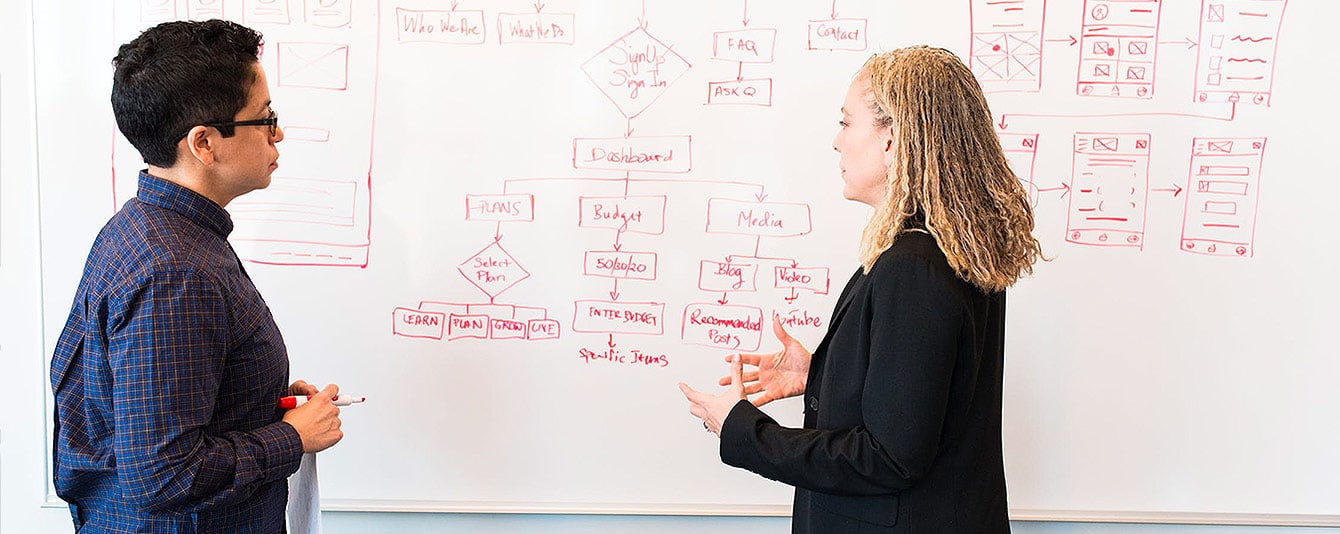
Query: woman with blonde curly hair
(902, 429)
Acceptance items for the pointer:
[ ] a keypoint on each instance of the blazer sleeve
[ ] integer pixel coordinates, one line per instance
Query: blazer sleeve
(915, 321)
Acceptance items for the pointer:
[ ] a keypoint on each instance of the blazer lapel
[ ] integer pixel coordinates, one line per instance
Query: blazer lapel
(855, 286)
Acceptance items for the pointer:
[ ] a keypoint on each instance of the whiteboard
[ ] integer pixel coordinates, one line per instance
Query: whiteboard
(516, 226)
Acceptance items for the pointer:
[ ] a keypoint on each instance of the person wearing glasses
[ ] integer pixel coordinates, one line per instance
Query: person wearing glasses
(169, 369)
(902, 397)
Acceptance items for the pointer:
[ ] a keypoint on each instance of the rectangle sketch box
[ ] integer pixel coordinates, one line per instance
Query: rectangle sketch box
(314, 65)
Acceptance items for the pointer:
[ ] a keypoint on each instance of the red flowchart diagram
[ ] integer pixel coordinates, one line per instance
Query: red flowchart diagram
(745, 45)
(633, 72)
(1107, 193)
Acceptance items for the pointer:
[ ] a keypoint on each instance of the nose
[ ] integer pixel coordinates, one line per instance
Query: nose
(835, 142)
(279, 133)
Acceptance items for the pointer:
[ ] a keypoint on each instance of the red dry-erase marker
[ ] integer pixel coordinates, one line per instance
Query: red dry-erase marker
(295, 401)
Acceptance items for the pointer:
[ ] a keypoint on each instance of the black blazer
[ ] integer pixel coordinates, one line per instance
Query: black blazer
(902, 407)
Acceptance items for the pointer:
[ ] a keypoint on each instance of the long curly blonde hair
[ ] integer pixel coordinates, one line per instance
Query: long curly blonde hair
(949, 172)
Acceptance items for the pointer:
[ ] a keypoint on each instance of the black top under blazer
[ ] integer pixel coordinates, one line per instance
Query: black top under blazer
(902, 407)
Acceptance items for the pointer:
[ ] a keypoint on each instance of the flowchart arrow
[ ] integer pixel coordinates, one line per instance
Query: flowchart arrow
(1175, 190)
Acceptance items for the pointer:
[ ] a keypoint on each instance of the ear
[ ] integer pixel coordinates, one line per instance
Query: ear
(888, 137)
(200, 144)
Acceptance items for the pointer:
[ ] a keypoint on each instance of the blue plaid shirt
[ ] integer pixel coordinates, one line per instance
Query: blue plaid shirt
(166, 378)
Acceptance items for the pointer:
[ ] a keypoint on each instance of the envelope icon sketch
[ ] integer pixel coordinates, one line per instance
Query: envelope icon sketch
(988, 43)
(1138, 48)
(1216, 13)
(1135, 73)
(1025, 67)
(1105, 144)
(316, 65)
(1102, 70)
(1223, 147)
(1023, 43)
(993, 67)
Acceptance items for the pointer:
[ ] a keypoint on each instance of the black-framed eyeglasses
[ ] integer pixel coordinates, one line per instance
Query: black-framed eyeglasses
(272, 121)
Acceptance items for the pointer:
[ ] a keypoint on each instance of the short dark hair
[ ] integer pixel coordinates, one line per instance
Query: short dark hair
(178, 75)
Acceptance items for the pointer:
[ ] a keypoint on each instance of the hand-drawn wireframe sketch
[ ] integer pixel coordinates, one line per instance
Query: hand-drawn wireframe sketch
(266, 12)
(329, 13)
(1238, 41)
(326, 202)
(1220, 217)
(1007, 40)
(317, 209)
(314, 65)
(204, 9)
(1109, 189)
(1118, 45)
(155, 11)
(635, 70)
(537, 28)
(1021, 150)
(459, 27)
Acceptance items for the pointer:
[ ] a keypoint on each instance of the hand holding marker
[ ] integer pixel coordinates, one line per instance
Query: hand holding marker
(294, 401)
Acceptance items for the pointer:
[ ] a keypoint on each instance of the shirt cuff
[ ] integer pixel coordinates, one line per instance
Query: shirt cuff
(283, 450)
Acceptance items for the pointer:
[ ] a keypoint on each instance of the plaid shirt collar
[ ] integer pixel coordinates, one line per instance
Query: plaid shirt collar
(192, 205)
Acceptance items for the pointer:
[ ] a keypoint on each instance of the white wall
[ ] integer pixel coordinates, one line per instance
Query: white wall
(23, 375)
